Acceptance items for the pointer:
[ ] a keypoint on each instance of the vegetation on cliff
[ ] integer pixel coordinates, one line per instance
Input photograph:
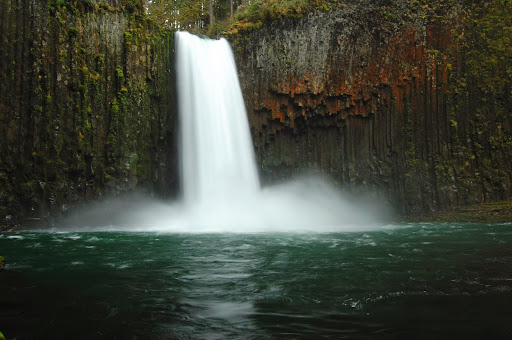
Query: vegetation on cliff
(254, 14)
(218, 17)
(85, 104)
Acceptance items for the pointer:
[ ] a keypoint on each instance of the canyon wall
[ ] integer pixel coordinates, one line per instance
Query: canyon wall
(411, 100)
(86, 105)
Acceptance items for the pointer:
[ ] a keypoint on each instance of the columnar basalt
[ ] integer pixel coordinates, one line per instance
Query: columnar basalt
(397, 98)
(85, 104)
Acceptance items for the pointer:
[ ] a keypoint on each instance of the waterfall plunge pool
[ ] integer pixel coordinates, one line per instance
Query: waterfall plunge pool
(402, 281)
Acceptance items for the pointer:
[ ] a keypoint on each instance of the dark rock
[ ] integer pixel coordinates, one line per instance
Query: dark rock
(76, 104)
(378, 96)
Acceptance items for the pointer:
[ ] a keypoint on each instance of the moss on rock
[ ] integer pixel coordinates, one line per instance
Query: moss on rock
(86, 93)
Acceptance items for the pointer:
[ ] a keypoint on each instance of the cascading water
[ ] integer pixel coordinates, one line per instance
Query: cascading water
(217, 158)
(220, 185)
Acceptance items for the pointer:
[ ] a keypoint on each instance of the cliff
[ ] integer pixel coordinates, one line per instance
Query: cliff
(85, 105)
(410, 99)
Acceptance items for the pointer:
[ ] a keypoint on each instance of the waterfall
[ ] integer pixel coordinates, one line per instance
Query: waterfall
(216, 152)
(219, 177)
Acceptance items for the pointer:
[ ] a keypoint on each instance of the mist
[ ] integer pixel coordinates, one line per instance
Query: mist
(306, 204)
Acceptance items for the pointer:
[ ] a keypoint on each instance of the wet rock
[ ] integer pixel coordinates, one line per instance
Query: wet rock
(76, 99)
(377, 95)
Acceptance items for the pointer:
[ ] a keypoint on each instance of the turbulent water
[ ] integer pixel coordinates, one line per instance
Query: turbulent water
(409, 281)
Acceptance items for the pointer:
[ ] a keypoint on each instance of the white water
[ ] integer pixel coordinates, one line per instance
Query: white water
(220, 185)
(217, 157)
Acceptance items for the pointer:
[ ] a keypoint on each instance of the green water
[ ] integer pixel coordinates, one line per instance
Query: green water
(410, 281)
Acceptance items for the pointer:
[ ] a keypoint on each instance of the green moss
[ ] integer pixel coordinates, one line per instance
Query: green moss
(106, 7)
(100, 58)
(119, 72)
(73, 33)
(252, 15)
(56, 4)
(128, 38)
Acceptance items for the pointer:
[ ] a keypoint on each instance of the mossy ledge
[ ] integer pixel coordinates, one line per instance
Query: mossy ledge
(495, 212)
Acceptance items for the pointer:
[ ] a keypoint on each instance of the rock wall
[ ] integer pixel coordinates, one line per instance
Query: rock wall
(86, 105)
(395, 97)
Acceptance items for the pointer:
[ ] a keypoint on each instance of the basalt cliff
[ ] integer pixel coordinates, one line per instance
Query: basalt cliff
(86, 102)
(411, 100)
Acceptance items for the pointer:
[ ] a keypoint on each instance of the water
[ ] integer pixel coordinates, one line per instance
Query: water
(217, 157)
(232, 260)
(411, 281)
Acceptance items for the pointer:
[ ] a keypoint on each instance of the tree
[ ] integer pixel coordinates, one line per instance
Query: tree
(212, 17)
(178, 14)
(230, 4)
(193, 15)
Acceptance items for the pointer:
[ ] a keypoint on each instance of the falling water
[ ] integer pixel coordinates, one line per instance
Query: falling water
(217, 158)
(219, 175)
(220, 185)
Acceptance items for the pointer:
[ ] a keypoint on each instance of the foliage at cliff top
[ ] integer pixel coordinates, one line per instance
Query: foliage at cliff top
(276, 9)
(128, 5)
(253, 14)
(193, 15)
(229, 15)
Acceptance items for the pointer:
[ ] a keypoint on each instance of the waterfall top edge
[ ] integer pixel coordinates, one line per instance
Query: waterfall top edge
(201, 37)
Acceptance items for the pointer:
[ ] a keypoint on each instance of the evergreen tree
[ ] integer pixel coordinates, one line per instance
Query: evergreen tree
(194, 15)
